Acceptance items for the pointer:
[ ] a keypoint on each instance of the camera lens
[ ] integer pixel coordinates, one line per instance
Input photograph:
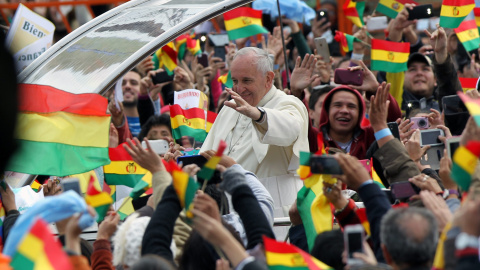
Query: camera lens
(422, 123)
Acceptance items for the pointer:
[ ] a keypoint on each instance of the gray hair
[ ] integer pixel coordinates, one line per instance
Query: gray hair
(263, 62)
(405, 246)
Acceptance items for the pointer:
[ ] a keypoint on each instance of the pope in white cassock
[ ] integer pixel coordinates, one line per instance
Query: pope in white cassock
(264, 128)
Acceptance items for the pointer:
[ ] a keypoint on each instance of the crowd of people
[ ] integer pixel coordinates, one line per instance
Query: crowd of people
(266, 121)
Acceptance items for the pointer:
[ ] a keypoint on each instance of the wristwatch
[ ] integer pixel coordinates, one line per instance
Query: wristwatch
(465, 240)
(262, 114)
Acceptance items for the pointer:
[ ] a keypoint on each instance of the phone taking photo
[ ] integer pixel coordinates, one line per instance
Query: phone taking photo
(346, 76)
(323, 13)
(162, 77)
(430, 137)
(203, 59)
(420, 12)
(71, 184)
(353, 236)
(321, 45)
(325, 165)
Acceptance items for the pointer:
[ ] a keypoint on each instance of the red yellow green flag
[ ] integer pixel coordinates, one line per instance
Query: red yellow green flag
(454, 11)
(282, 255)
(40, 250)
(476, 12)
(226, 79)
(97, 199)
(473, 106)
(60, 133)
(464, 162)
(126, 208)
(243, 22)
(362, 216)
(194, 122)
(468, 83)
(186, 42)
(345, 40)
(389, 56)
(36, 186)
(376, 179)
(354, 11)
(166, 58)
(467, 33)
(185, 187)
(392, 7)
(122, 170)
(142, 186)
(208, 169)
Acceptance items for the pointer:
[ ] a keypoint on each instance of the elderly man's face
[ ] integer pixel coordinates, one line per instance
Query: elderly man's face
(248, 82)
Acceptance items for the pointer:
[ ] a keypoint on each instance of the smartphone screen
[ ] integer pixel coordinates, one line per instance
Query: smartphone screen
(453, 147)
(196, 159)
(219, 52)
(354, 243)
(71, 184)
(431, 137)
(203, 60)
(393, 126)
(325, 165)
(162, 77)
(403, 190)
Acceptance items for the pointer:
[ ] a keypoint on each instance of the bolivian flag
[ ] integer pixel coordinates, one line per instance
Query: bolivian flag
(473, 106)
(185, 187)
(60, 133)
(36, 186)
(194, 122)
(142, 186)
(126, 208)
(122, 170)
(389, 56)
(186, 42)
(40, 250)
(464, 162)
(226, 79)
(391, 8)
(354, 11)
(208, 169)
(345, 40)
(243, 22)
(467, 33)
(468, 83)
(166, 58)
(282, 255)
(454, 11)
(97, 199)
(476, 12)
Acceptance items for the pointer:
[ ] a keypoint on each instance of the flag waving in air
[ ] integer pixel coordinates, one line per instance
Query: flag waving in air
(390, 56)
(122, 170)
(97, 199)
(354, 11)
(454, 11)
(345, 40)
(243, 22)
(208, 169)
(467, 33)
(391, 8)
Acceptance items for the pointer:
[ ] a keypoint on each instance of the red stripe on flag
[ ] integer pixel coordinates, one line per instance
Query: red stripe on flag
(402, 47)
(191, 113)
(91, 190)
(119, 153)
(466, 25)
(47, 99)
(407, 2)
(172, 54)
(458, 3)
(351, 12)
(277, 247)
(468, 82)
(474, 147)
(52, 248)
(106, 188)
(211, 116)
(476, 12)
(242, 11)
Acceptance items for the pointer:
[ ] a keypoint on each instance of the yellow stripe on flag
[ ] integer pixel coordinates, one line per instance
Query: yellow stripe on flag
(473, 108)
(467, 35)
(99, 199)
(30, 247)
(394, 57)
(456, 12)
(180, 183)
(395, 5)
(84, 179)
(240, 22)
(212, 162)
(468, 160)
(124, 167)
(180, 120)
(284, 259)
(320, 209)
(65, 128)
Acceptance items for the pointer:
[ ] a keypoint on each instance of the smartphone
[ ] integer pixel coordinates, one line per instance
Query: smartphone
(218, 40)
(321, 45)
(430, 137)
(420, 12)
(158, 146)
(353, 236)
(403, 190)
(452, 145)
(345, 76)
(419, 123)
(377, 23)
(203, 59)
(325, 165)
(323, 13)
(219, 52)
(456, 114)
(162, 77)
(199, 160)
(433, 157)
(393, 126)
(71, 184)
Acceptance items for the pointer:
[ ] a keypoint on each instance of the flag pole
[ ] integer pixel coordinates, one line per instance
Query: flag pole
(283, 44)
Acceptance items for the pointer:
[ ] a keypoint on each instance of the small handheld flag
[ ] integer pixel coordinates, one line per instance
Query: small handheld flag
(473, 106)
(354, 12)
(243, 22)
(208, 169)
(454, 11)
(97, 199)
(468, 83)
(467, 33)
(390, 56)
(391, 8)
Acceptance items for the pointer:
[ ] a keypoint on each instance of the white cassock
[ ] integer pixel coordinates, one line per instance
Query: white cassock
(269, 149)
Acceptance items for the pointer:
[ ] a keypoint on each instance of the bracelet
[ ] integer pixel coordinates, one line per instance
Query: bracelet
(382, 134)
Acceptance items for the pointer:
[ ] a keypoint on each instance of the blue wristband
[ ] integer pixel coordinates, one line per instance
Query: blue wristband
(382, 134)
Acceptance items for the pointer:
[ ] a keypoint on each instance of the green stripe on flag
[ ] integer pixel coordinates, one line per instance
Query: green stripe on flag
(102, 211)
(305, 158)
(198, 134)
(305, 197)
(388, 66)
(386, 11)
(246, 31)
(471, 44)
(190, 191)
(450, 22)
(461, 177)
(19, 261)
(129, 180)
(284, 267)
(45, 158)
